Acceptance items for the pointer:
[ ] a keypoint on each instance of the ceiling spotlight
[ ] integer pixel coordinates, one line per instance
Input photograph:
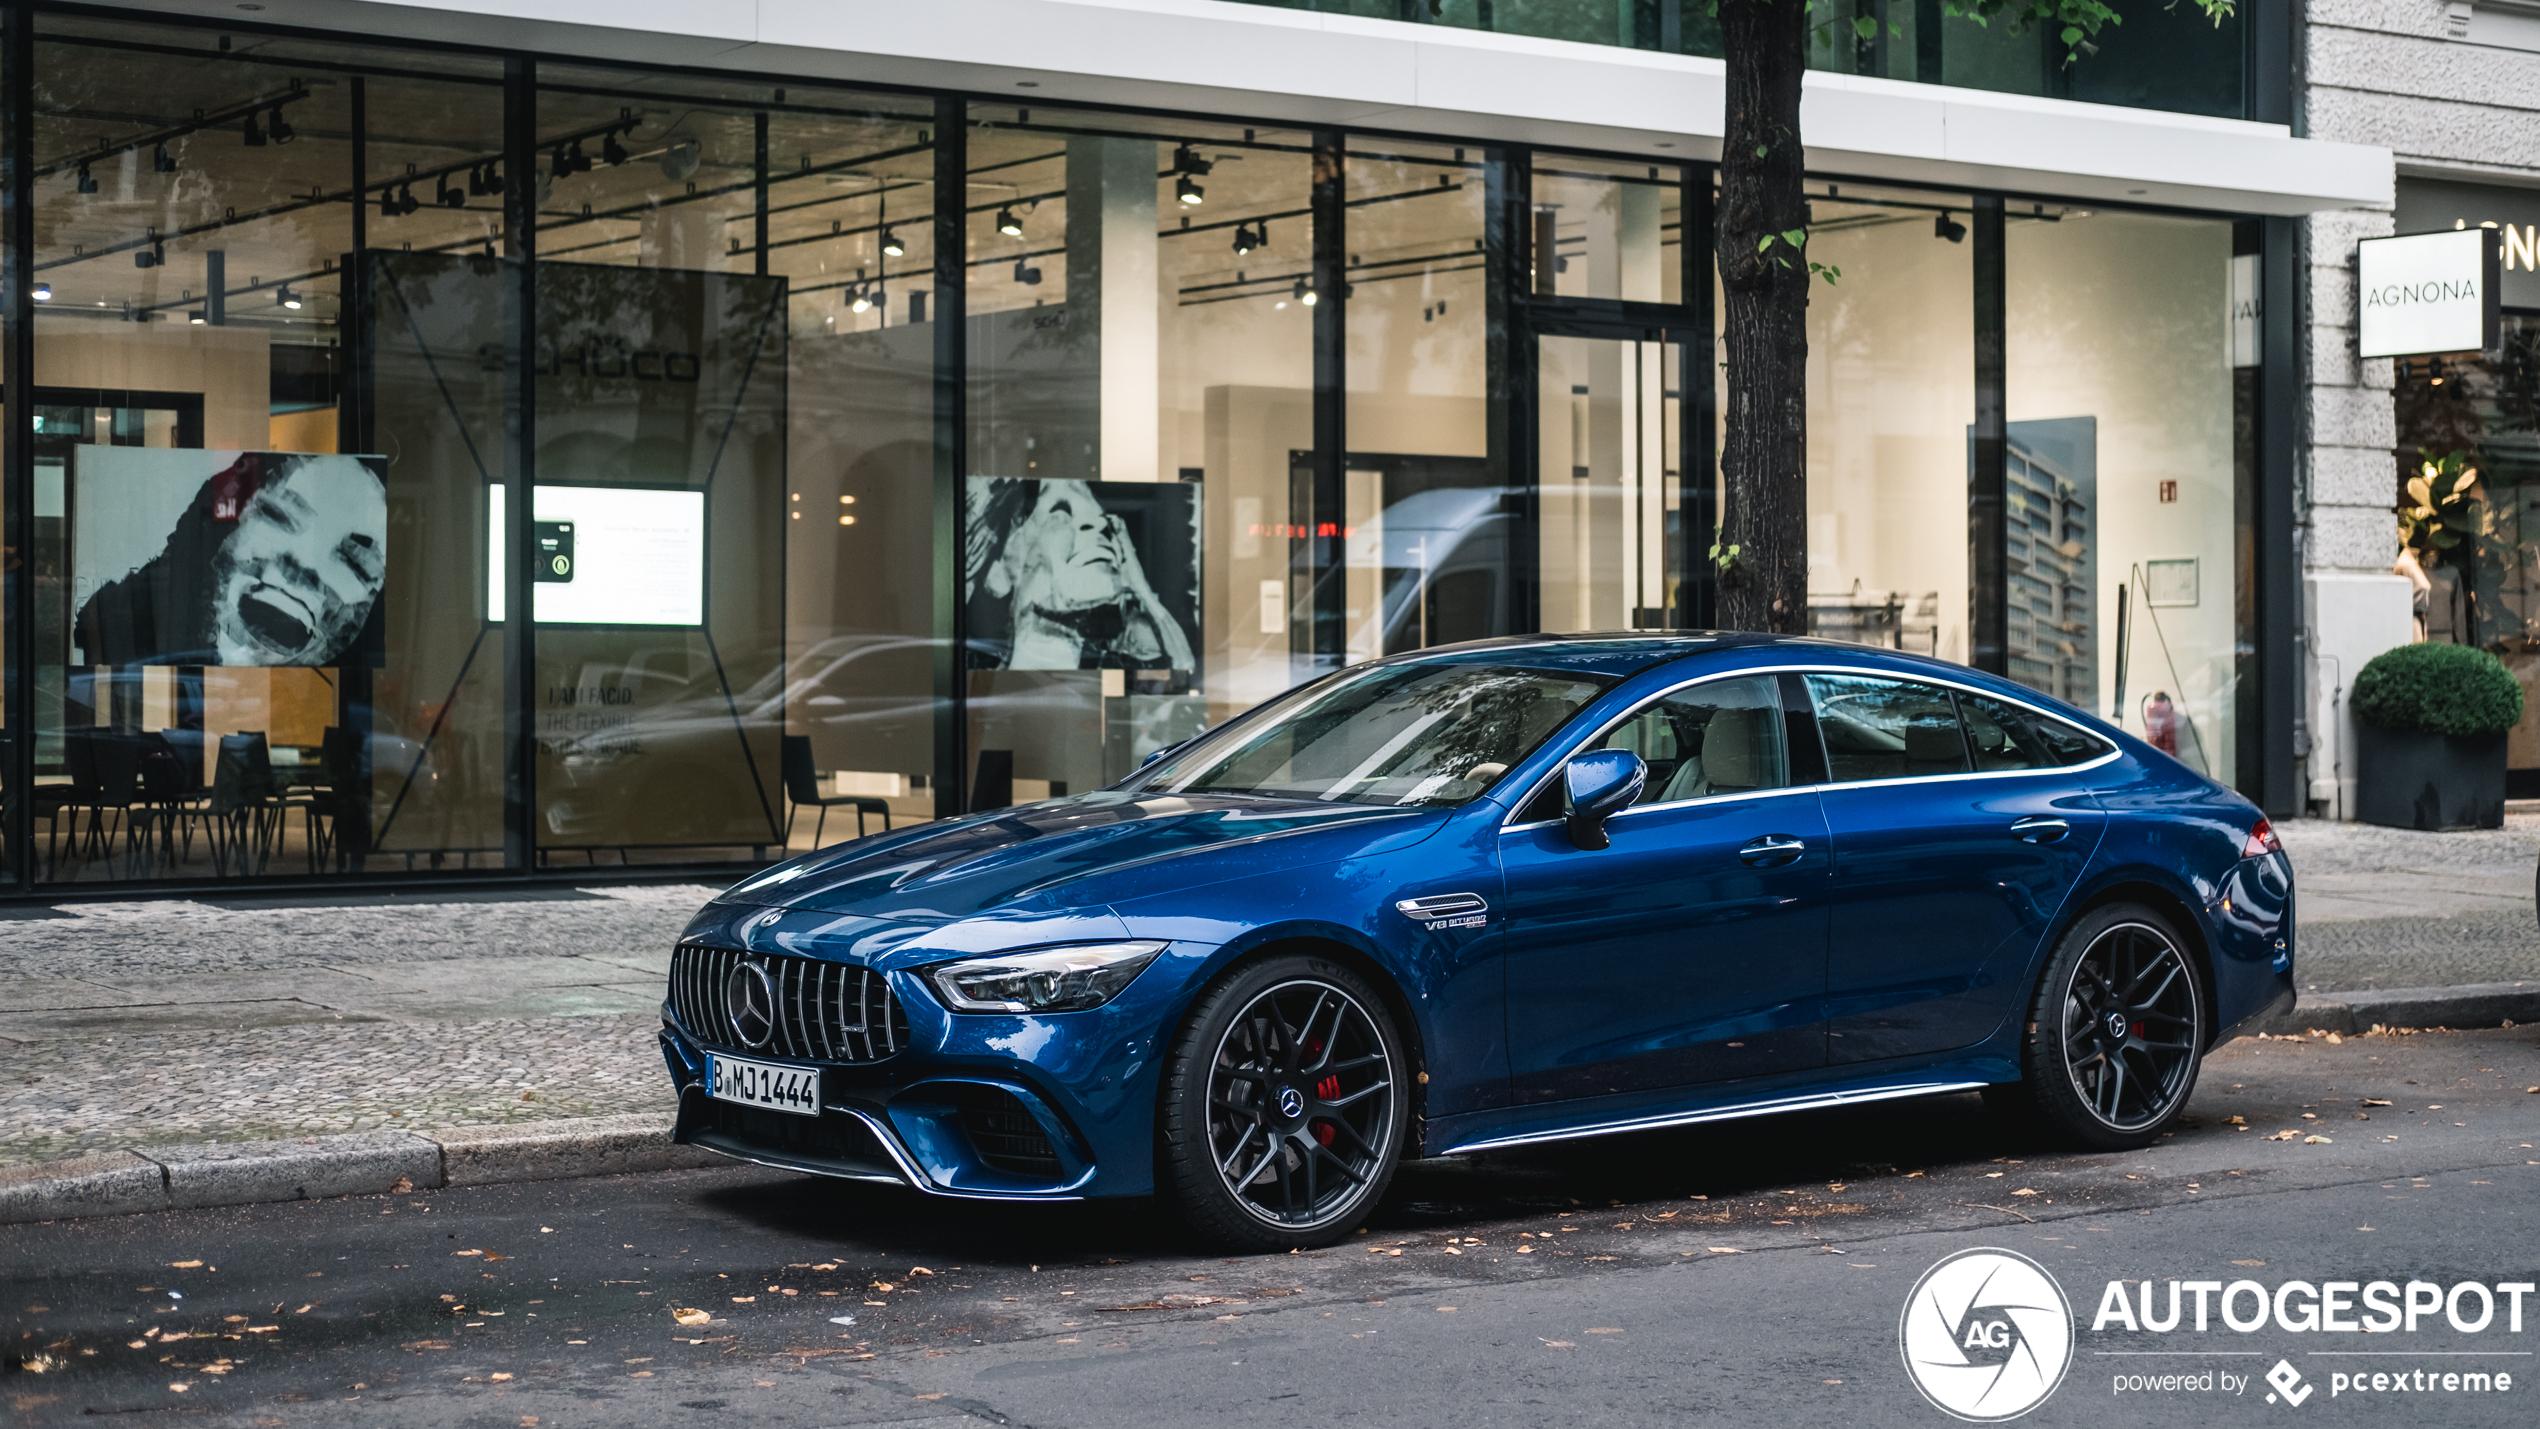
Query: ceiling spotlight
(252, 132)
(284, 297)
(406, 200)
(1304, 292)
(476, 185)
(863, 302)
(1187, 189)
(87, 180)
(1245, 242)
(891, 243)
(198, 317)
(1186, 160)
(581, 162)
(1943, 226)
(279, 127)
(612, 150)
(154, 256)
(43, 291)
(1026, 274)
(388, 203)
(161, 161)
(1007, 223)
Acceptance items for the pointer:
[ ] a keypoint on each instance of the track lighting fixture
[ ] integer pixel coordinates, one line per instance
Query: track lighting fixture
(279, 127)
(1304, 292)
(445, 195)
(476, 185)
(252, 132)
(198, 317)
(612, 150)
(1187, 189)
(154, 256)
(1245, 239)
(891, 244)
(161, 162)
(1186, 160)
(581, 161)
(388, 203)
(1026, 274)
(1943, 226)
(1007, 223)
(863, 301)
(87, 180)
(2434, 372)
(558, 164)
(284, 297)
(43, 291)
(406, 200)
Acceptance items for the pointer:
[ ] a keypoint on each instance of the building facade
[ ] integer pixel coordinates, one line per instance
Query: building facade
(476, 445)
(2453, 90)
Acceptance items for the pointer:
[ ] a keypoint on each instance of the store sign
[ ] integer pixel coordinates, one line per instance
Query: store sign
(2428, 292)
(2430, 205)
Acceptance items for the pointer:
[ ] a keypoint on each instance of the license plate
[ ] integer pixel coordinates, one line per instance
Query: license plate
(765, 1084)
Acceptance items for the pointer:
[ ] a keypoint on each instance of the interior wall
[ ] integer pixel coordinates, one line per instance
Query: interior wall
(231, 366)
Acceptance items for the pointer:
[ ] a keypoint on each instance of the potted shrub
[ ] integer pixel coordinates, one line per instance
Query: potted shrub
(2430, 724)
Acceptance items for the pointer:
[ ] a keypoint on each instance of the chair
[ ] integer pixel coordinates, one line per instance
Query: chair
(242, 808)
(105, 778)
(341, 800)
(802, 791)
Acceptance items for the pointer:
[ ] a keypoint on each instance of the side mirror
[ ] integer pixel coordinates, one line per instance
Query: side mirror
(1595, 787)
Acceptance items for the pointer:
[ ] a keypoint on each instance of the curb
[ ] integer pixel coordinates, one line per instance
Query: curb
(2487, 1004)
(362, 1163)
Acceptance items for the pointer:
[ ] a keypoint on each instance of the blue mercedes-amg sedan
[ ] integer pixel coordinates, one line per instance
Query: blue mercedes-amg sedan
(1498, 893)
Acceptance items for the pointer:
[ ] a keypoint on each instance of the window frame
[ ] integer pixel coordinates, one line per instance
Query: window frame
(1515, 821)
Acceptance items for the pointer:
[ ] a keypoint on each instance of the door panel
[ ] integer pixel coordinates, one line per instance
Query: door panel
(1692, 949)
(1943, 884)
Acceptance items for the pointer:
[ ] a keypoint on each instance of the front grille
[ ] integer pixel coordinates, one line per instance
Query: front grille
(1006, 1136)
(829, 1012)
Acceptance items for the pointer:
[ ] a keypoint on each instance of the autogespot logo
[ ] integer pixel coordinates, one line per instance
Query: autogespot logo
(1986, 1335)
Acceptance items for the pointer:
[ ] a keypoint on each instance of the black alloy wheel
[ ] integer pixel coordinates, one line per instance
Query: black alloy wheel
(1283, 1109)
(2116, 1034)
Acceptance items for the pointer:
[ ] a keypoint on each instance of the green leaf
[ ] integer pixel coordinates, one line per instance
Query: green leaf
(1765, 242)
(1795, 237)
(2072, 34)
(1762, 149)
(1866, 27)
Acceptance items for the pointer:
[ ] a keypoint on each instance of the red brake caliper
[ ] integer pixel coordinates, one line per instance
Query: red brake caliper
(1327, 1089)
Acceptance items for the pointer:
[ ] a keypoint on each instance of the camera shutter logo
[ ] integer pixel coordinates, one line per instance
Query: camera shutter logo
(1987, 1335)
(749, 1001)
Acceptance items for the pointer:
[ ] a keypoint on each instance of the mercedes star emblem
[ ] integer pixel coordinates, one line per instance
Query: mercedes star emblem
(751, 1002)
(1291, 1102)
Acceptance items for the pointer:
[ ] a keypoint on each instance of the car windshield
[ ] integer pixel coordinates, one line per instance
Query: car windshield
(1396, 735)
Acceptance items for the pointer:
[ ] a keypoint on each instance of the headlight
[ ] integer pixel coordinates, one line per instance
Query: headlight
(1049, 980)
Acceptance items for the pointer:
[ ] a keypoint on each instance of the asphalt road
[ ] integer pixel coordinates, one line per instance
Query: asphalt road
(1752, 1272)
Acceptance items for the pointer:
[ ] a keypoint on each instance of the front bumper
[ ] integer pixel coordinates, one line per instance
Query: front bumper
(945, 1130)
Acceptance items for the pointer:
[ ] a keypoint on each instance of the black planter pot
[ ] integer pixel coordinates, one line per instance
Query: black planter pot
(2429, 781)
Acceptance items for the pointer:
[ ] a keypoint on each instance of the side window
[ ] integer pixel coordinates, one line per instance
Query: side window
(1887, 729)
(1724, 737)
(2004, 737)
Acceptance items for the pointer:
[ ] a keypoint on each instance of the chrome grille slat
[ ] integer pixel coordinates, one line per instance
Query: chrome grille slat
(814, 1018)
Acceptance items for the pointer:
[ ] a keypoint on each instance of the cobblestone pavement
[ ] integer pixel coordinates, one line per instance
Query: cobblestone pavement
(2397, 908)
(142, 1024)
(146, 1024)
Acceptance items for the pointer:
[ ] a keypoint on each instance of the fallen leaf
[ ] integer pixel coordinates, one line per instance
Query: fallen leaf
(401, 1186)
(641, 1374)
(1442, 1309)
(1560, 1344)
(919, 1270)
(2375, 1101)
(498, 1378)
(467, 1252)
(744, 1299)
(184, 1264)
(1451, 1250)
(2024, 1191)
(1604, 1330)
(1724, 1250)
(2285, 1135)
(180, 1388)
(2248, 1262)
(1990, 1175)
(691, 1317)
(2335, 1041)
(2315, 1141)
(1525, 1250)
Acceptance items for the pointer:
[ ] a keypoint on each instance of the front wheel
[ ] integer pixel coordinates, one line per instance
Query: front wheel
(1284, 1106)
(2115, 1034)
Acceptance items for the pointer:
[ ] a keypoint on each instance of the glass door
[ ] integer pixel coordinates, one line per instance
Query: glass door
(1611, 541)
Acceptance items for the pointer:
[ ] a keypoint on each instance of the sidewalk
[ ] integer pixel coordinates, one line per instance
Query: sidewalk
(147, 1026)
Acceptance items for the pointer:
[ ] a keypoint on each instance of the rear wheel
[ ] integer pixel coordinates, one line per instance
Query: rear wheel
(2115, 1034)
(1284, 1106)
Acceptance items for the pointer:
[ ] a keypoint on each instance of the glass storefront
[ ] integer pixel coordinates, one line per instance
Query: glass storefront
(447, 464)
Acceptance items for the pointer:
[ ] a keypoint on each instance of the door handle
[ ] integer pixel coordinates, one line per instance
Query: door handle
(2041, 829)
(1772, 849)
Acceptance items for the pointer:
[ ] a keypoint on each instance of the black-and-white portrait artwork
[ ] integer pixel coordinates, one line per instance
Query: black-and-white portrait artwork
(189, 557)
(1084, 575)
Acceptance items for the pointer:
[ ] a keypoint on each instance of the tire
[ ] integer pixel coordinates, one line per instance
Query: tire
(2111, 1085)
(1284, 1107)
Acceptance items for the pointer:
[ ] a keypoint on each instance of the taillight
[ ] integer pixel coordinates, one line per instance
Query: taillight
(2262, 841)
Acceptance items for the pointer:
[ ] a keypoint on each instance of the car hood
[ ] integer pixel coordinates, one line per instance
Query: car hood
(1089, 850)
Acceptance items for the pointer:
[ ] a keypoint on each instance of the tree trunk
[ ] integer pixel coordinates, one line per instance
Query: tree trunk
(1764, 461)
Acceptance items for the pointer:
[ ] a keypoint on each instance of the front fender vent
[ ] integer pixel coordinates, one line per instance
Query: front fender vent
(824, 1012)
